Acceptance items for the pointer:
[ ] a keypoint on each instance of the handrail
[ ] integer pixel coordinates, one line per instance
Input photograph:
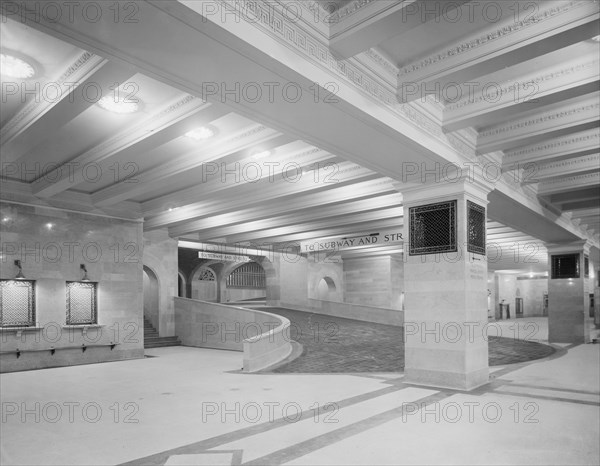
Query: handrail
(52, 350)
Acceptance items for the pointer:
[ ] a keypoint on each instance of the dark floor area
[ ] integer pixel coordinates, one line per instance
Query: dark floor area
(334, 344)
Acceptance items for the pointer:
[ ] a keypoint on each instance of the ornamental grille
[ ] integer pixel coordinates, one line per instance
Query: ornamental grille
(17, 303)
(433, 228)
(250, 275)
(586, 266)
(565, 266)
(81, 303)
(476, 228)
(207, 275)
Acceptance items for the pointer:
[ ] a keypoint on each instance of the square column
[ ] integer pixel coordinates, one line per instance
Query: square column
(569, 293)
(445, 279)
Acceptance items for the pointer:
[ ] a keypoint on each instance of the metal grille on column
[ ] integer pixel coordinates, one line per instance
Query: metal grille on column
(565, 266)
(17, 303)
(475, 228)
(433, 228)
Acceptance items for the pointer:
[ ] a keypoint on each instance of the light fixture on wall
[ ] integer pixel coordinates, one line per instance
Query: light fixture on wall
(20, 275)
(85, 275)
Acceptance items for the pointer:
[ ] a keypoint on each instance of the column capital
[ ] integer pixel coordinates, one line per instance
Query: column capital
(467, 185)
(573, 247)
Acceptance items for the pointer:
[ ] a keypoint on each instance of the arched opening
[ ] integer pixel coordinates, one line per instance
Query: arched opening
(326, 289)
(151, 297)
(246, 282)
(204, 285)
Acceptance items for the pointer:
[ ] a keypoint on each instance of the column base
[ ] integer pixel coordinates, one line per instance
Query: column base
(452, 380)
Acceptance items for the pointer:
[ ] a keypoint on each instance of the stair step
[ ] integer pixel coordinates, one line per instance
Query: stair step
(159, 344)
(161, 339)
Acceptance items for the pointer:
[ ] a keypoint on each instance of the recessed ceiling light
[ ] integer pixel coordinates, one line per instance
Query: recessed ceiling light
(200, 134)
(121, 106)
(596, 39)
(261, 154)
(14, 67)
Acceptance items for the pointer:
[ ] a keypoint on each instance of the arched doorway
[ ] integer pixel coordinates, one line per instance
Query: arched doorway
(204, 284)
(151, 297)
(326, 289)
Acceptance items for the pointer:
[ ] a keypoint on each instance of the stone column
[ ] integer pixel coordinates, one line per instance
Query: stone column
(445, 279)
(568, 293)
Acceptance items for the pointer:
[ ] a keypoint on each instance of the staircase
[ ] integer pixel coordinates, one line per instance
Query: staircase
(152, 340)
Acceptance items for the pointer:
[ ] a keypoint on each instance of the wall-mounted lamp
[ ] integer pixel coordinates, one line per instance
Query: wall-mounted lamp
(85, 275)
(20, 275)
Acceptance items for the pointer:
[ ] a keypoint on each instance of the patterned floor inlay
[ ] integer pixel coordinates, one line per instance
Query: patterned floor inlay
(338, 345)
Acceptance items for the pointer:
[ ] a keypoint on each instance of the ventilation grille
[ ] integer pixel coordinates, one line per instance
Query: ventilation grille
(433, 228)
(207, 275)
(81, 303)
(586, 266)
(565, 266)
(476, 228)
(250, 275)
(17, 303)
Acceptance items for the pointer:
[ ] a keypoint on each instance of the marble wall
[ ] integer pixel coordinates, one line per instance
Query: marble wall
(51, 245)
(373, 281)
(532, 291)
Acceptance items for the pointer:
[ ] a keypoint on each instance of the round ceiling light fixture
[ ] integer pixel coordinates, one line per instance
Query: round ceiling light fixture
(121, 106)
(14, 67)
(200, 134)
(261, 154)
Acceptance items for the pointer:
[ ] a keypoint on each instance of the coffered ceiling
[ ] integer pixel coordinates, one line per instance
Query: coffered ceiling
(398, 83)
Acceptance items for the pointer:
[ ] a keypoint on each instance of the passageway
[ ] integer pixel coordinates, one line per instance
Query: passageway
(338, 345)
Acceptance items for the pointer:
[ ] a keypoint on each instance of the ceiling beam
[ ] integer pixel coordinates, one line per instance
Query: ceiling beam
(561, 168)
(238, 222)
(258, 204)
(171, 122)
(484, 106)
(351, 221)
(581, 143)
(580, 205)
(345, 230)
(73, 103)
(539, 28)
(579, 195)
(378, 21)
(225, 153)
(78, 71)
(556, 120)
(344, 173)
(567, 184)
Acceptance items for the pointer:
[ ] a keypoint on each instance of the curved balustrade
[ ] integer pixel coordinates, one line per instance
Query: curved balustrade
(264, 338)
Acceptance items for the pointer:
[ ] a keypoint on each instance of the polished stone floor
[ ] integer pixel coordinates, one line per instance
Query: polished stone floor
(190, 406)
(334, 344)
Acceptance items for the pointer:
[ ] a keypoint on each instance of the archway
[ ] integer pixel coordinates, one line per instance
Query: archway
(204, 284)
(245, 282)
(151, 297)
(326, 289)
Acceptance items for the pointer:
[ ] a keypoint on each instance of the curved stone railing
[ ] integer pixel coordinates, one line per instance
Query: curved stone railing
(378, 315)
(263, 337)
